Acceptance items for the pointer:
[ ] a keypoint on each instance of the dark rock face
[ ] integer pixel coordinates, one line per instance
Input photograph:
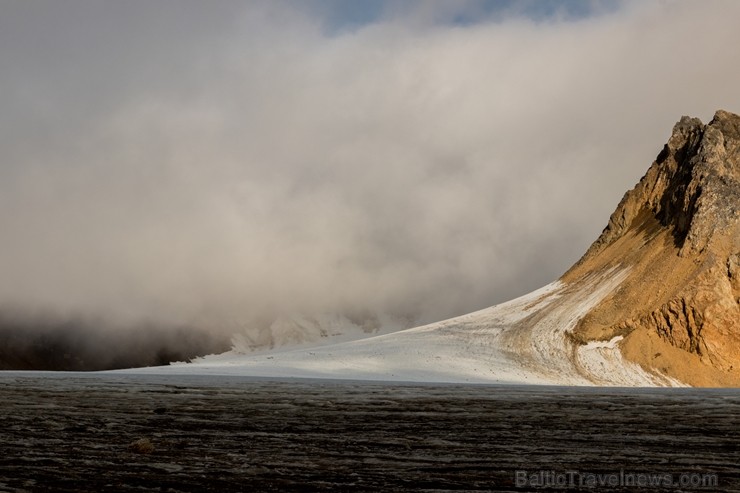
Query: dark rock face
(690, 194)
(693, 187)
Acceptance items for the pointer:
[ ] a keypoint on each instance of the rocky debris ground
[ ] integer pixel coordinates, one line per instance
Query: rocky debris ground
(72, 432)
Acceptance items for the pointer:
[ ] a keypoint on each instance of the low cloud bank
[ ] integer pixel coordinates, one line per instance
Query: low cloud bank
(200, 165)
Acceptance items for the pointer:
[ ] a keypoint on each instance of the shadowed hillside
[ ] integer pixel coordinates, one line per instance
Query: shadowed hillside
(80, 345)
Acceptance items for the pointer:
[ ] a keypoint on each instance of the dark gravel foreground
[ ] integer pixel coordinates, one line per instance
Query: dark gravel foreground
(94, 432)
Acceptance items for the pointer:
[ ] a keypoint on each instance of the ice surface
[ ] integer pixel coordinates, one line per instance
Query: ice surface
(523, 341)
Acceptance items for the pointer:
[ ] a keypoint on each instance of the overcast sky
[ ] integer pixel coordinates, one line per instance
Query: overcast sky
(211, 161)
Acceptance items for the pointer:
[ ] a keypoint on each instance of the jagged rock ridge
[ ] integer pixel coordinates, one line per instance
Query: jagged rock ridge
(678, 231)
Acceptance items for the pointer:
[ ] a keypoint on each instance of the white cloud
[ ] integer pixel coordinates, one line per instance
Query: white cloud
(256, 162)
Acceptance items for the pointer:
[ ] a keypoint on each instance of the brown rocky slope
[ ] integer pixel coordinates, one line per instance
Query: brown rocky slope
(678, 233)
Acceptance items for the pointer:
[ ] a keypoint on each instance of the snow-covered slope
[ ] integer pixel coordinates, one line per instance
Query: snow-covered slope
(522, 341)
(285, 332)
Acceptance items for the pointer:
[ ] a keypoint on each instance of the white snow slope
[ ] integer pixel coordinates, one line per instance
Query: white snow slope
(522, 341)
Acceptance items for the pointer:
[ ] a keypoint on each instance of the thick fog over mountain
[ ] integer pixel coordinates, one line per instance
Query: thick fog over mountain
(208, 164)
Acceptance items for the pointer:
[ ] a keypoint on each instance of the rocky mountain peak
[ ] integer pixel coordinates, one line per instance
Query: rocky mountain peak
(678, 231)
(693, 187)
